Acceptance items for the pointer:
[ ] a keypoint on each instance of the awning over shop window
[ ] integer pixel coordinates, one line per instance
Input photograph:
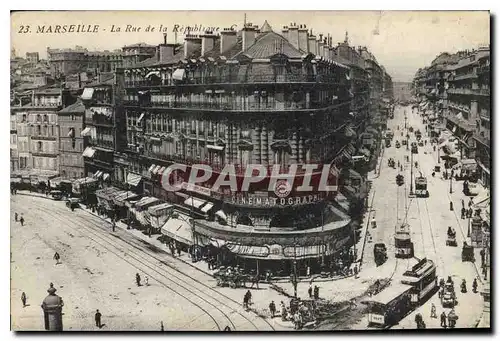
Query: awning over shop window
(155, 170)
(249, 251)
(87, 93)
(89, 152)
(365, 152)
(133, 179)
(194, 202)
(207, 207)
(179, 74)
(151, 168)
(97, 174)
(140, 118)
(221, 215)
(304, 251)
(146, 201)
(179, 230)
(469, 164)
(105, 176)
(354, 175)
(120, 198)
(153, 73)
(160, 209)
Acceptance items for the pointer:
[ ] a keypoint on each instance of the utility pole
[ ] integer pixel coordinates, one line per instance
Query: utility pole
(451, 188)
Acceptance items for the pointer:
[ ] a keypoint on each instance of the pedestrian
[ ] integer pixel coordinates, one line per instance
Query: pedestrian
(470, 202)
(57, 257)
(474, 285)
(308, 272)
(356, 270)
(283, 310)
(114, 225)
(138, 279)
(15, 216)
(272, 308)
(443, 320)
(178, 250)
(463, 286)
(316, 292)
(98, 319)
(433, 311)
(146, 280)
(452, 318)
(255, 281)
(161, 326)
(463, 213)
(22, 220)
(463, 203)
(23, 299)
(310, 291)
(482, 253)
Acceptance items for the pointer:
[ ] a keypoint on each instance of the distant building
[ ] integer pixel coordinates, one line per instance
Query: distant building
(32, 57)
(136, 53)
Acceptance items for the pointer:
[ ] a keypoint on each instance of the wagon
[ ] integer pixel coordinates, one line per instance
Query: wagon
(451, 240)
(233, 280)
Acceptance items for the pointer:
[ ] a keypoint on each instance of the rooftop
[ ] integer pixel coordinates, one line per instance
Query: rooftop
(76, 107)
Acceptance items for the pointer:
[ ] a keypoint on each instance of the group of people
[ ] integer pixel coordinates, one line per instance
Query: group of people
(313, 293)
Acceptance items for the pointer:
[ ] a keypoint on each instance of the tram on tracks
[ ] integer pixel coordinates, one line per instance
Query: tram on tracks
(389, 306)
(421, 187)
(402, 242)
(423, 279)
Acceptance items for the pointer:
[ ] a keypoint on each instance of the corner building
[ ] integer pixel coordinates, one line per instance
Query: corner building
(242, 98)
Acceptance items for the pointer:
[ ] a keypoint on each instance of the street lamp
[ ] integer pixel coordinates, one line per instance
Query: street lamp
(451, 188)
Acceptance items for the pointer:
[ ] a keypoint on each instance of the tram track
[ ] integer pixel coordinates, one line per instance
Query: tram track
(159, 273)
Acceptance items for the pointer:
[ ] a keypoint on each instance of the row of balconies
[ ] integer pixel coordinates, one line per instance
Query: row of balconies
(273, 106)
(460, 107)
(469, 75)
(465, 91)
(102, 143)
(229, 79)
(483, 69)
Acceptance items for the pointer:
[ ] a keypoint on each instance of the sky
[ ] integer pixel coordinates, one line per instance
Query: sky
(407, 40)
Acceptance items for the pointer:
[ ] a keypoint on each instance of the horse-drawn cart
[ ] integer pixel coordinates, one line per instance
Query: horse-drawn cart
(230, 278)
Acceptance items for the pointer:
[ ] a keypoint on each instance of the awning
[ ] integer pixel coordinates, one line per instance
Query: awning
(86, 132)
(354, 175)
(87, 93)
(469, 164)
(210, 146)
(151, 168)
(365, 152)
(140, 118)
(193, 202)
(207, 207)
(120, 198)
(161, 170)
(179, 230)
(88, 152)
(221, 215)
(146, 201)
(160, 209)
(98, 174)
(304, 251)
(133, 179)
(105, 176)
(179, 74)
(249, 251)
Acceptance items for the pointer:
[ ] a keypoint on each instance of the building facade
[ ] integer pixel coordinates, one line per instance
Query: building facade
(71, 143)
(457, 88)
(136, 53)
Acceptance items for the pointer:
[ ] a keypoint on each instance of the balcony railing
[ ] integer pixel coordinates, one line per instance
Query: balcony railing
(101, 143)
(289, 78)
(198, 105)
(463, 108)
(483, 69)
(464, 91)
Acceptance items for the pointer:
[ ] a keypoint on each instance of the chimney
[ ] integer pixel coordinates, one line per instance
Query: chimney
(320, 44)
(164, 38)
(326, 51)
(166, 52)
(227, 39)
(293, 35)
(191, 44)
(312, 44)
(207, 42)
(303, 40)
(248, 34)
(284, 32)
(256, 30)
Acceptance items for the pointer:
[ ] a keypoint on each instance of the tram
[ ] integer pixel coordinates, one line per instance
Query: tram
(389, 306)
(421, 187)
(402, 242)
(423, 279)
